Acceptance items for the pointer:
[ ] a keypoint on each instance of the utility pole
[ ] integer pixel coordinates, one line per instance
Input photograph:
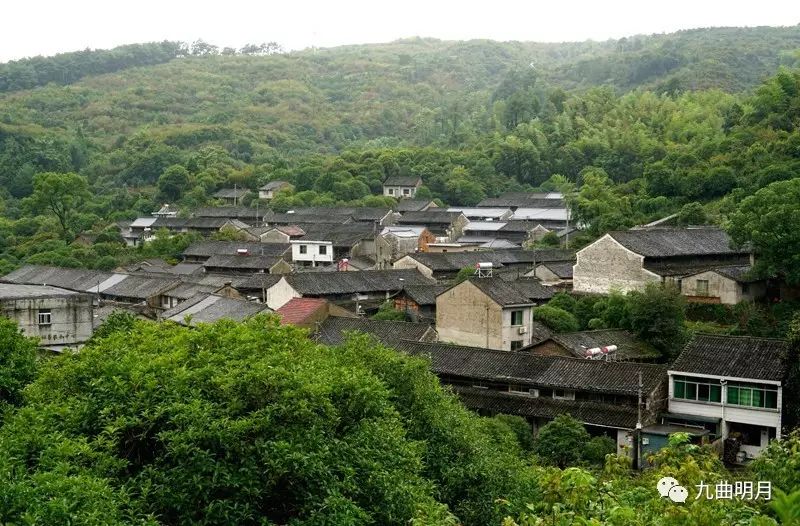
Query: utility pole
(637, 434)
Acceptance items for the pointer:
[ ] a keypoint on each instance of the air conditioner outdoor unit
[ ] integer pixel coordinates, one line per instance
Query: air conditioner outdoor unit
(523, 329)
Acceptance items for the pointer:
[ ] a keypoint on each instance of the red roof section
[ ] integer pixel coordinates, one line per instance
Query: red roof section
(297, 310)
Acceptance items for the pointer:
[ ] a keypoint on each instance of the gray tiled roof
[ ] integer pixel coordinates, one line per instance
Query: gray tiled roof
(254, 262)
(67, 278)
(543, 371)
(670, 242)
(455, 261)
(208, 308)
(364, 281)
(592, 413)
(258, 281)
(340, 235)
(562, 269)
(629, 347)
(425, 294)
(230, 193)
(14, 291)
(140, 287)
(402, 180)
(734, 356)
(274, 185)
(413, 205)
(333, 330)
(500, 291)
(230, 248)
(738, 273)
(431, 216)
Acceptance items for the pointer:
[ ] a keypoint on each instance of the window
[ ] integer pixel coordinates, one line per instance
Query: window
(304, 249)
(753, 395)
(521, 389)
(406, 191)
(700, 389)
(702, 287)
(391, 191)
(516, 317)
(323, 250)
(563, 394)
(516, 345)
(44, 317)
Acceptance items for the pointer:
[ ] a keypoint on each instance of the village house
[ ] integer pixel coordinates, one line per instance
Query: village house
(445, 266)
(602, 395)
(515, 200)
(629, 259)
(246, 264)
(447, 226)
(268, 190)
(725, 285)
(732, 386)
(324, 245)
(208, 308)
(401, 186)
(607, 344)
(356, 291)
(231, 196)
(488, 312)
(202, 251)
(58, 318)
(401, 240)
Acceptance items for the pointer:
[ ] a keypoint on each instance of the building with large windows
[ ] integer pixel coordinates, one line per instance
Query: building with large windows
(731, 386)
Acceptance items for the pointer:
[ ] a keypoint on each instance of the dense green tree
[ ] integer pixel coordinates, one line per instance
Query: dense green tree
(561, 442)
(17, 363)
(657, 315)
(768, 222)
(556, 318)
(173, 183)
(62, 195)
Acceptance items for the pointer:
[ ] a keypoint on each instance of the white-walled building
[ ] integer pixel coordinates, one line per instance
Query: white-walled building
(732, 386)
(312, 253)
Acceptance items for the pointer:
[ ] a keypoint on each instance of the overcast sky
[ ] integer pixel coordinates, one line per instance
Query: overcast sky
(35, 27)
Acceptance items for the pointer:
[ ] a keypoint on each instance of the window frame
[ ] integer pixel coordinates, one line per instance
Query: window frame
(49, 317)
(695, 385)
(699, 290)
(521, 313)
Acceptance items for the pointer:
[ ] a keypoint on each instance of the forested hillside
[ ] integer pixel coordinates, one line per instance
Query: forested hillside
(473, 119)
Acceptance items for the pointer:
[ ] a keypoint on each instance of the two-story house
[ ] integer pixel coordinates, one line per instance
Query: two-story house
(401, 186)
(602, 395)
(488, 312)
(269, 190)
(732, 386)
(629, 259)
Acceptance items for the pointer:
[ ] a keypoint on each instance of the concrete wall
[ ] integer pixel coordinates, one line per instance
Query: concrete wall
(467, 316)
(546, 276)
(408, 263)
(399, 191)
(312, 256)
(606, 265)
(721, 289)
(274, 236)
(280, 293)
(71, 318)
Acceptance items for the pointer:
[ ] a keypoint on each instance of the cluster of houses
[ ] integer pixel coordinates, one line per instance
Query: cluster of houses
(328, 269)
